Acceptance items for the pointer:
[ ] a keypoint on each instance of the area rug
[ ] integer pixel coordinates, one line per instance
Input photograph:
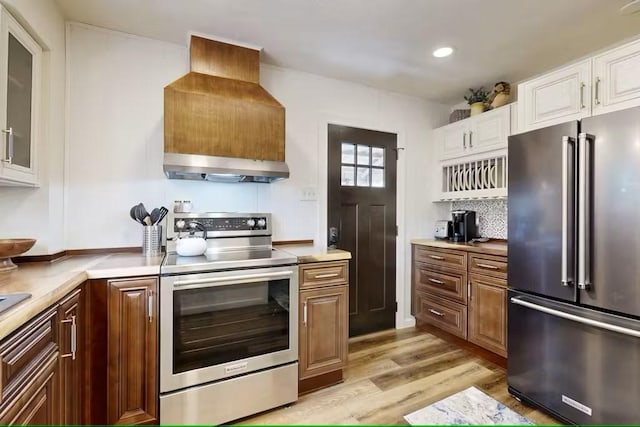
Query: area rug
(470, 406)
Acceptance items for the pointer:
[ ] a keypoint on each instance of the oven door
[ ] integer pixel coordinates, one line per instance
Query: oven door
(222, 324)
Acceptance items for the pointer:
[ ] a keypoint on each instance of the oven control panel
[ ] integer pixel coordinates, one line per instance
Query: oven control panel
(182, 223)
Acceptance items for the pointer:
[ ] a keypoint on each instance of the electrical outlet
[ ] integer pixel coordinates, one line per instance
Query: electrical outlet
(308, 194)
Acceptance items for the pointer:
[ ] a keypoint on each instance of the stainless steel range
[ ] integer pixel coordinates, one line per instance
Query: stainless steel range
(228, 321)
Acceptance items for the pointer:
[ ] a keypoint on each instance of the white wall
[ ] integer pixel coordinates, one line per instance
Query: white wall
(38, 212)
(115, 143)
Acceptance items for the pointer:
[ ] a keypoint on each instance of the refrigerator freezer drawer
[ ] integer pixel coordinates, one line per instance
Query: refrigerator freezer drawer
(580, 364)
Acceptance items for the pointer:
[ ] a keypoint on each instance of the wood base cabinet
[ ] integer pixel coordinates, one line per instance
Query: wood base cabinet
(324, 324)
(132, 351)
(70, 324)
(323, 332)
(464, 294)
(488, 313)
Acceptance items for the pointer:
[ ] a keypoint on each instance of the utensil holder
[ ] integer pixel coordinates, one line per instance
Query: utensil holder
(152, 240)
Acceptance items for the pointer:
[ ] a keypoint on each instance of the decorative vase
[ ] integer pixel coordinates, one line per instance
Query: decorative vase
(477, 108)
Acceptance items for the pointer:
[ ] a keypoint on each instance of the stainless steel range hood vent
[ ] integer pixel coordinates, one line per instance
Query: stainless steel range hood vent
(223, 169)
(219, 123)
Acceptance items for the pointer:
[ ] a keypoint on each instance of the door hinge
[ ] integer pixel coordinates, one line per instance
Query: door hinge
(397, 150)
(396, 306)
(396, 230)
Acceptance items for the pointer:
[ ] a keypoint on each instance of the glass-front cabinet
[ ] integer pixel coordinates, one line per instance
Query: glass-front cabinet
(20, 87)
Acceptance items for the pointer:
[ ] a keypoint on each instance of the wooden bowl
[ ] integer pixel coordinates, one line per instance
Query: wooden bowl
(10, 248)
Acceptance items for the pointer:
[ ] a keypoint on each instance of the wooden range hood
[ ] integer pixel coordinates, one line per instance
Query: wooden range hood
(219, 123)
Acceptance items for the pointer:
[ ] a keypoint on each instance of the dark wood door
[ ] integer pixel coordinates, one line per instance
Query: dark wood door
(323, 331)
(488, 313)
(132, 352)
(362, 208)
(69, 332)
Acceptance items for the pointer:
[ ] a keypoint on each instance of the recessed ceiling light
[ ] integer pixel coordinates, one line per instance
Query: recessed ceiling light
(442, 52)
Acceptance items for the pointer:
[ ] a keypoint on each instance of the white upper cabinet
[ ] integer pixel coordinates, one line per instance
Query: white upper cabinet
(20, 80)
(484, 132)
(453, 139)
(601, 84)
(616, 79)
(556, 97)
(489, 131)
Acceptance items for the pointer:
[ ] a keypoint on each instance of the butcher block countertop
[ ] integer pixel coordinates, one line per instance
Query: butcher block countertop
(48, 282)
(308, 253)
(498, 247)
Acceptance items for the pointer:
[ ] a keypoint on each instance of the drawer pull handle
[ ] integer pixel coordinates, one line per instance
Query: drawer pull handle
(439, 282)
(74, 338)
(326, 275)
(490, 267)
(437, 313)
(439, 258)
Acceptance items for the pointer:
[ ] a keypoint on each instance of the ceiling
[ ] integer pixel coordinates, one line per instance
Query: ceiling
(385, 43)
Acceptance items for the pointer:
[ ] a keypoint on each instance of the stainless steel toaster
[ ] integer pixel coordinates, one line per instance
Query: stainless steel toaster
(442, 229)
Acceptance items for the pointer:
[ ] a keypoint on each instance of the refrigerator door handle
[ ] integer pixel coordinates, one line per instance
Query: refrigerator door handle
(568, 211)
(574, 318)
(584, 211)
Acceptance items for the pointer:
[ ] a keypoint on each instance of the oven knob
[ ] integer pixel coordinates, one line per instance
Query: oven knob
(180, 224)
(251, 222)
(262, 222)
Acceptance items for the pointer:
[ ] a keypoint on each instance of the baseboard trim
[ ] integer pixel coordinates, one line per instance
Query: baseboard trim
(308, 385)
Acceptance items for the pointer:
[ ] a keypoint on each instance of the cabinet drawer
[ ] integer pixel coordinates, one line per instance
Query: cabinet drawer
(441, 258)
(25, 351)
(448, 316)
(494, 266)
(452, 285)
(324, 273)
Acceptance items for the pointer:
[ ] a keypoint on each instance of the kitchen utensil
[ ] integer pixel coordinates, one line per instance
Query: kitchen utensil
(10, 248)
(163, 212)
(147, 220)
(155, 214)
(132, 213)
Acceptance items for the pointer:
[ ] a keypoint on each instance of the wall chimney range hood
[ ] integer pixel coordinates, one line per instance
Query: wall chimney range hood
(219, 123)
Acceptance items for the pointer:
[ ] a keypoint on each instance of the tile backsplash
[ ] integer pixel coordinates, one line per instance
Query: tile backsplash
(491, 214)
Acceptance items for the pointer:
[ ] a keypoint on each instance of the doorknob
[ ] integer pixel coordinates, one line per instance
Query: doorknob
(334, 237)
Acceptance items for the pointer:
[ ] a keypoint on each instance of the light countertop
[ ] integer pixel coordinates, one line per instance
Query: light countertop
(488, 248)
(308, 253)
(48, 282)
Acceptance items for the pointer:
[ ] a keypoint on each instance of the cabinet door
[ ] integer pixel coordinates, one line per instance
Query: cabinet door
(38, 403)
(323, 330)
(20, 78)
(488, 313)
(490, 130)
(132, 371)
(452, 139)
(556, 97)
(70, 322)
(616, 79)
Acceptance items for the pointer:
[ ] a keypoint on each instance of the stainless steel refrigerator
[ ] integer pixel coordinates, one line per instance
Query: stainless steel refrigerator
(574, 268)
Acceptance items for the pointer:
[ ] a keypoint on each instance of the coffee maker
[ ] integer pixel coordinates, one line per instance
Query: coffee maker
(464, 226)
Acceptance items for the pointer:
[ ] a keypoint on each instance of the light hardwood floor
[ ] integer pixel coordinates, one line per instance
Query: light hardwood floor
(393, 373)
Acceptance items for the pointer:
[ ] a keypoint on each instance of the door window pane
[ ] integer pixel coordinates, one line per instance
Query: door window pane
(363, 177)
(377, 178)
(363, 155)
(348, 153)
(348, 176)
(19, 100)
(377, 156)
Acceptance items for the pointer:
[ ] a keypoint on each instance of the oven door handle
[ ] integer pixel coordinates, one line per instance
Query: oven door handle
(229, 280)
